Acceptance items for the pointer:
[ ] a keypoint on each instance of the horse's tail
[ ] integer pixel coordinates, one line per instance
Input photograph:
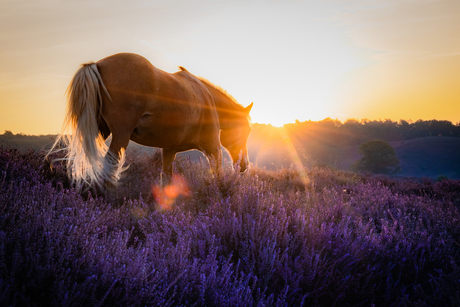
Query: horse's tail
(80, 134)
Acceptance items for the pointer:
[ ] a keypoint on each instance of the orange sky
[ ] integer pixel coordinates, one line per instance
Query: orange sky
(302, 60)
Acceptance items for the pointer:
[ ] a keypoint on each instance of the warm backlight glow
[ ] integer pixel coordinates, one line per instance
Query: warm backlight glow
(277, 146)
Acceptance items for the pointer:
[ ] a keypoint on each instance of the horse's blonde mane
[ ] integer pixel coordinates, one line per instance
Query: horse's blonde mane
(224, 91)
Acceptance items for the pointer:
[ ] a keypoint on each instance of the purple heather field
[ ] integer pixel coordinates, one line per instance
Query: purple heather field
(263, 238)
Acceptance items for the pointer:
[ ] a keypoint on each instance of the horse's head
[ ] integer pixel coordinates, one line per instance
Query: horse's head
(234, 137)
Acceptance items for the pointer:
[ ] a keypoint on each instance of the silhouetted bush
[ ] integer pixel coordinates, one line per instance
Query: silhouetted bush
(378, 158)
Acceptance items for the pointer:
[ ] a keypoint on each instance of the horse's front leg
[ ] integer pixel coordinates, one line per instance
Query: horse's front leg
(215, 158)
(168, 156)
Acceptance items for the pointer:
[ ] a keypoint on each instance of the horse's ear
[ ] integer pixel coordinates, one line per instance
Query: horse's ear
(248, 108)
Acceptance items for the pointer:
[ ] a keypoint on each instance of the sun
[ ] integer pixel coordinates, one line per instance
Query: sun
(278, 115)
(269, 120)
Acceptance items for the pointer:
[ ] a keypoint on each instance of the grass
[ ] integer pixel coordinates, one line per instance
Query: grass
(258, 239)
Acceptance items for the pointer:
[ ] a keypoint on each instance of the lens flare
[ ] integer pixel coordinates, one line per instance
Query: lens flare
(165, 197)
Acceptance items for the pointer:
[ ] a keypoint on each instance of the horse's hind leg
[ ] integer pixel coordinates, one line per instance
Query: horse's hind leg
(103, 127)
(115, 154)
(113, 163)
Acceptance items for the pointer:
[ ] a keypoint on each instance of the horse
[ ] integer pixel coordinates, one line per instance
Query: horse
(126, 96)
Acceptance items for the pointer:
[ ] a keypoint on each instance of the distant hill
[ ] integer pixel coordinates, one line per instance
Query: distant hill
(430, 156)
(422, 157)
(24, 142)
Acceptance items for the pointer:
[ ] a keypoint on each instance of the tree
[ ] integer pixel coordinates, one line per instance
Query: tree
(379, 158)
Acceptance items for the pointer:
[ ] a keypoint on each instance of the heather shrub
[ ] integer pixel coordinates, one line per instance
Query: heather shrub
(143, 170)
(261, 238)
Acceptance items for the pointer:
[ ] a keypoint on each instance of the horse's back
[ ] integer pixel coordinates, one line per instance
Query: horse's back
(132, 75)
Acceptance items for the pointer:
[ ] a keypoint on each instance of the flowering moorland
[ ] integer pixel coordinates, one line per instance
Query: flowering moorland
(258, 239)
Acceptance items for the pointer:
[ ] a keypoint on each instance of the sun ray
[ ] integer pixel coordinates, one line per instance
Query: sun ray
(294, 157)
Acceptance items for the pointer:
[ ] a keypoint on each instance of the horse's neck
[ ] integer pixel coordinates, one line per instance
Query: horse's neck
(224, 110)
(225, 106)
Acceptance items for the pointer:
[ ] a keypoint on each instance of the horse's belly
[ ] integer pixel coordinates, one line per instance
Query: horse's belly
(162, 141)
(165, 133)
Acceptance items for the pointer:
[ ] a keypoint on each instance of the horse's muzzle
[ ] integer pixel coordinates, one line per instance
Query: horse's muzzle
(243, 166)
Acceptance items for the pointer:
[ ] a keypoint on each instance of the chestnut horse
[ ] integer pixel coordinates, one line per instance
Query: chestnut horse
(126, 96)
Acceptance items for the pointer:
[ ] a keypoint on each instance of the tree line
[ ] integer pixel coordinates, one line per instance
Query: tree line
(354, 132)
